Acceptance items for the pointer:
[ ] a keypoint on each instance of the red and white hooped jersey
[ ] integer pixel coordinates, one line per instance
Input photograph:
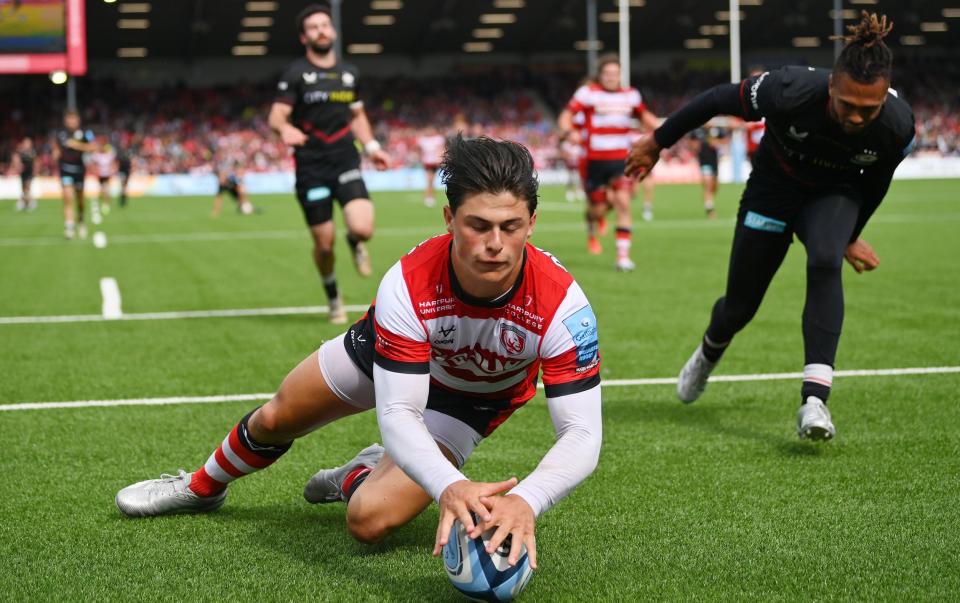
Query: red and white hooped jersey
(484, 357)
(431, 149)
(609, 118)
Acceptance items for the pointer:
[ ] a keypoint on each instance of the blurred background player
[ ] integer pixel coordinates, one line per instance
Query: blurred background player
(834, 142)
(318, 111)
(72, 143)
(23, 160)
(572, 155)
(230, 181)
(609, 117)
(123, 167)
(706, 142)
(431, 144)
(104, 161)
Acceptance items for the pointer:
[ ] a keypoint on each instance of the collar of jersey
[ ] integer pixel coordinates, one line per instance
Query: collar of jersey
(470, 300)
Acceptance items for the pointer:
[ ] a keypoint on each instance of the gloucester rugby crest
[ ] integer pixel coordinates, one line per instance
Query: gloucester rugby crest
(512, 339)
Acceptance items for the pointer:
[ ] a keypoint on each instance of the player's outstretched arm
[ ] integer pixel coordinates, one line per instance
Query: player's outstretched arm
(719, 100)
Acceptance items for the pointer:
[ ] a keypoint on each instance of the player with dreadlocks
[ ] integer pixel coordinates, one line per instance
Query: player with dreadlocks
(825, 163)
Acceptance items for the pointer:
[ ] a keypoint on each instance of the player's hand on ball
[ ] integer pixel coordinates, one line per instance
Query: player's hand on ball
(511, 515)
(380, 159)
(861, 256)
(459, 499)
(644, 154)
(293, 136)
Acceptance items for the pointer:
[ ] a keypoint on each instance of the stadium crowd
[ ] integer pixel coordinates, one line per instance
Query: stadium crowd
(191, 130)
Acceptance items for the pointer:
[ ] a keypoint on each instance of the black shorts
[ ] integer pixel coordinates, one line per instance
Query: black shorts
(73, 175)
(709, 160)
(602, 172)
(771, 203)
(232, 189)
(26, 177)
(105, 180)
(320, 182)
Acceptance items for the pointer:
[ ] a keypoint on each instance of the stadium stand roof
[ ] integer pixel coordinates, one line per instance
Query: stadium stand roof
(211, 28)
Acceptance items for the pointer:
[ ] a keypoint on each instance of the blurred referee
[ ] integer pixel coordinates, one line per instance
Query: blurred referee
(318, 111)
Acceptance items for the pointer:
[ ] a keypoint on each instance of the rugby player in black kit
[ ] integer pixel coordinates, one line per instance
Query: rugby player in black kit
(72, 143)
(832, 143)
(318, 111)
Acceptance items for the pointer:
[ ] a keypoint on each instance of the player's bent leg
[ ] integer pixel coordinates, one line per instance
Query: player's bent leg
(303, 403)
(358, 217)
(387, 499)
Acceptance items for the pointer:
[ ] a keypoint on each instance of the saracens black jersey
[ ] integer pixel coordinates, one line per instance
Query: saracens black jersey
(805, 143)
(803, 146)
(323, 101)
(67, 154)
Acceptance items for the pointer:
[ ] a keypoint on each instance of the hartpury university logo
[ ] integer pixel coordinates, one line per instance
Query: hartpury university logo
(512, 338)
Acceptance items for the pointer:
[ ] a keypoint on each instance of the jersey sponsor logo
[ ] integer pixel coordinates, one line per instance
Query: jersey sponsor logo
(867, 157)
(348, 79)
(754, 88)
(582, 326)
(310, 77)
(477, 361)
(318, 193)
(795, 134)
(445, 331)
(760, 222)
(512, 339)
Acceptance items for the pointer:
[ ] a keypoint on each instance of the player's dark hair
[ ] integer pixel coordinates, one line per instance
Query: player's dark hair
(312, 9)
(485, 165)
(605, 60)
(865, 57)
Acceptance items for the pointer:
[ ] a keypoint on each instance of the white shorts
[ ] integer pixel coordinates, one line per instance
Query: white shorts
(356, 389)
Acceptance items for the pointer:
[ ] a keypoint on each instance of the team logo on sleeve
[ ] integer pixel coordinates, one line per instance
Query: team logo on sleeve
(582, 326)
(512, 338)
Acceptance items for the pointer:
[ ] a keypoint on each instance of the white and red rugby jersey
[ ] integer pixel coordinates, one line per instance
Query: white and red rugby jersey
(609, 117)
(431, 149)
(484, 356)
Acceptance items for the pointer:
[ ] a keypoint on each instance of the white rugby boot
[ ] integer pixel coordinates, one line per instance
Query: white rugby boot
(326, 486)
(165, 496)
(338, 311)
(693, 377)
(814, 422)
(625, 265)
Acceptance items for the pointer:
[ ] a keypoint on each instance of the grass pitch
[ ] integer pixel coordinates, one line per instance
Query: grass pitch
(714, 501)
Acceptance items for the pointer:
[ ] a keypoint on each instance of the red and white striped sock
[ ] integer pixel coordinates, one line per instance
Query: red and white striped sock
(236, 457)
(623, 243)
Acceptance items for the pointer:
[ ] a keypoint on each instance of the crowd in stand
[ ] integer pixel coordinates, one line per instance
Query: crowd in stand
(184, 130)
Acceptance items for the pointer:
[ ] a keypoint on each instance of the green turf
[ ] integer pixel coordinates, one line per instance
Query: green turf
(715, 501)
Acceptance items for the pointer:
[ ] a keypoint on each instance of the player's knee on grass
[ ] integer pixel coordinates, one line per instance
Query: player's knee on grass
(268, 424)
(368, 527)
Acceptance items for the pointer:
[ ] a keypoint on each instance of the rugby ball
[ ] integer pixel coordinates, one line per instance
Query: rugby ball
(483, 576)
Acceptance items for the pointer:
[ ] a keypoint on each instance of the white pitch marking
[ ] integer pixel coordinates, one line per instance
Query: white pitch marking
(99, 239)
(228, 313)
(608, 383)
(110, 292)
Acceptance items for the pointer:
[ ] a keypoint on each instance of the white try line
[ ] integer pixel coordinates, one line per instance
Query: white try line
(606, 383)
(227, 313)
